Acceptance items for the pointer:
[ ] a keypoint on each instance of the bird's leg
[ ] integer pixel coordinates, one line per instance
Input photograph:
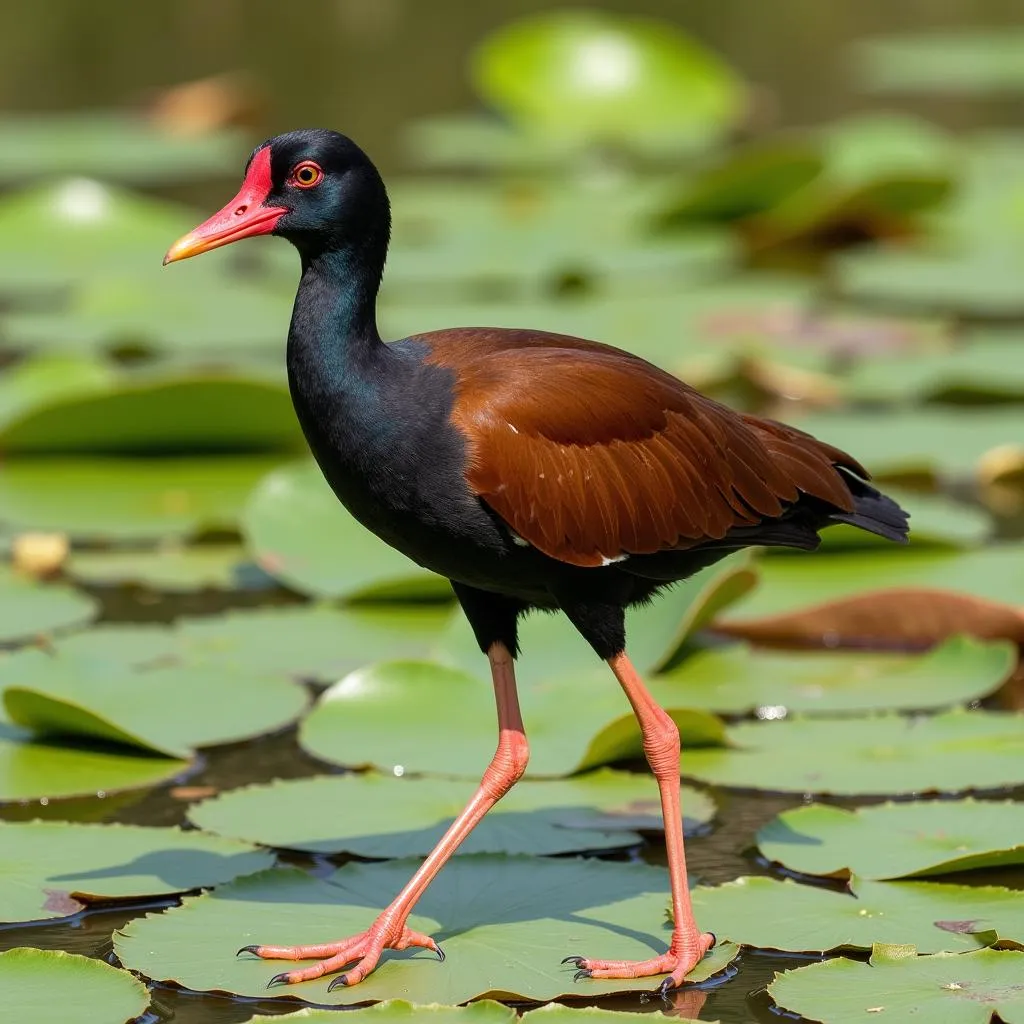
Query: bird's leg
(661, 745)
(389, 930)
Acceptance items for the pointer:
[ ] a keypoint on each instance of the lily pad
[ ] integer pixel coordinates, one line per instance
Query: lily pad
(781, 914)
(896, 840)
(504, 922)
(33, 767)
(332, 555)
(948, 988)
(741, 679)
(951, 752)
(29, 609)
(171, 569)
(795, 582)
(573, 724)
(167, 709)
(398, 1011)
(594, 76)
(319, 643)
(142, 413)
(88, 991)
(385, 816)
(53, 868)
(119, 499)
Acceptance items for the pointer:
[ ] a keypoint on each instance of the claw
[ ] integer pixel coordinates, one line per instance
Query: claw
(714, 941)
(576, 961)
(582, 975)
(248, 949)
(278, 979)
(339, 982)
(664, 988)
(440, 955)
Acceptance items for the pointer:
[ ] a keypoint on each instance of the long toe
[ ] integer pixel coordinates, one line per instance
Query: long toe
(676, 963)
(364, 951)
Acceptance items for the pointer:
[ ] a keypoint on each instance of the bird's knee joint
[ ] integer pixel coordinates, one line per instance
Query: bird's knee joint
(507, 766)
(661, 746)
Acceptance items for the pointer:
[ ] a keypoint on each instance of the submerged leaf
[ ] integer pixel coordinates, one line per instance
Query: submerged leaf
(893, 840)
(505, 924)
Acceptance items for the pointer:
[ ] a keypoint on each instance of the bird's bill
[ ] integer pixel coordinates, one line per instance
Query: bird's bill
(243, 217)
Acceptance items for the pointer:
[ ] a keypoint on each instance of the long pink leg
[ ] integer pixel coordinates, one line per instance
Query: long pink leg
(661, 745)
(388, 931)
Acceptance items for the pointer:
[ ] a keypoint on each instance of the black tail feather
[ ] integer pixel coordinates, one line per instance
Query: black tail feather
(874, 512)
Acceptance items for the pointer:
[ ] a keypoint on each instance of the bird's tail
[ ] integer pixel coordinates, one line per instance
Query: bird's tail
(874, 511)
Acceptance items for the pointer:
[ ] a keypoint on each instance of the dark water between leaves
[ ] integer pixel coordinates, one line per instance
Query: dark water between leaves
(724, 851)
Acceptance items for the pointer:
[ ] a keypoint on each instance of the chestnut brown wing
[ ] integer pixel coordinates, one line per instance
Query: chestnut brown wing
(590, 454)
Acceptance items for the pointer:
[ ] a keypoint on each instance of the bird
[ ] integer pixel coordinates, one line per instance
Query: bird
(536, 471)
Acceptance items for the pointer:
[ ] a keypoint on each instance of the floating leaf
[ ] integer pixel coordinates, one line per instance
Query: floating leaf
(397, 1011)
(593, 76)
(33, 767)
(505, 923)
(573, 724)
(29, 608)
(739, 679)
(87, 991)
(171, 569)
(384, 816)
(966, 988)
(330, 554)
(951, 752)
(781, 914)
(796, 583)
(894, 840)
(319, 642)
(962, 62)
(49, 869)
(143, 413)
(128, 499)
(168, 709)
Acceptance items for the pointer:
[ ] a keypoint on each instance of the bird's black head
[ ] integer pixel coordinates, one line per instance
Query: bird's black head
(315, 187)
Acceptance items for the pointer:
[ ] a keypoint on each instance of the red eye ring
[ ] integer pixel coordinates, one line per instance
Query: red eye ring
(307, 174)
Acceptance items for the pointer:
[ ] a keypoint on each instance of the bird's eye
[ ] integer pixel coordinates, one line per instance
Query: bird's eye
(307, 174)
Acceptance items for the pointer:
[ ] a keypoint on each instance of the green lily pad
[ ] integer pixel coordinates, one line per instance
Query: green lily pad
(951, 752)
(948, 988)
(53, 868)
(143, 413)
(504, 923)
(981, 369)
(741, 679)
(88, 991)
(573, 724)
(799, 581)
(33, 767)
(29, 609)
(167, 709)
(385, 816)
(113, 145)
(331, 555)
(962, 62)
(781, 914)
(553, 649)
(594, 76)
(94, 499)
(319, 642)
(920, 442)
(896, 840)
(398, 1011)
(170, 569)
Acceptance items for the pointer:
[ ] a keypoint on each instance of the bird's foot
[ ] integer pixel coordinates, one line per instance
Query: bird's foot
(363, 950)
(681, 958)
